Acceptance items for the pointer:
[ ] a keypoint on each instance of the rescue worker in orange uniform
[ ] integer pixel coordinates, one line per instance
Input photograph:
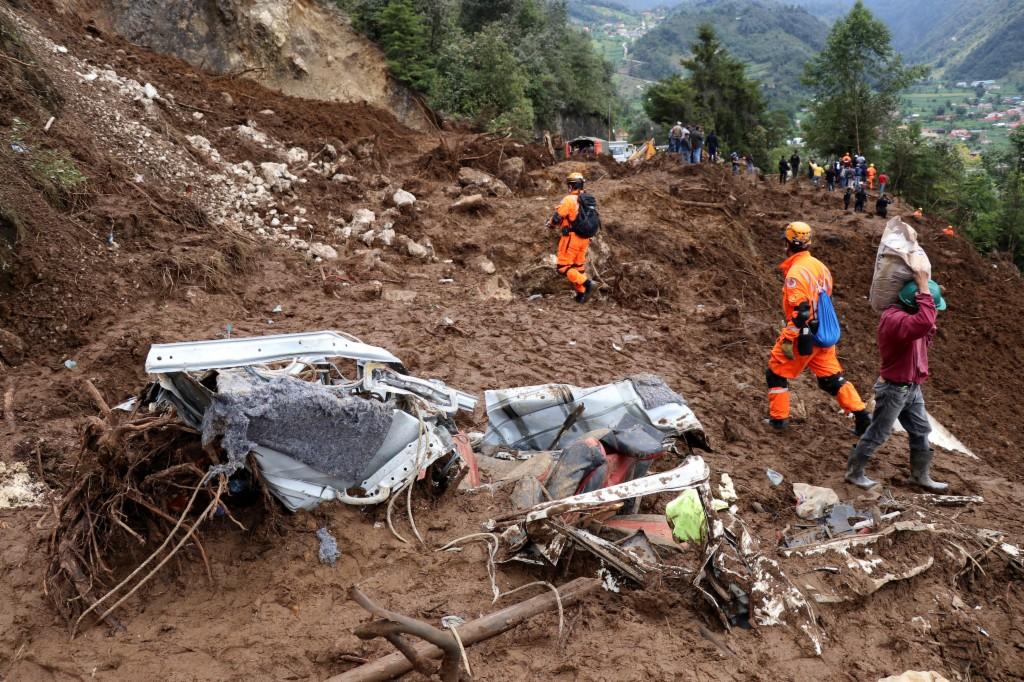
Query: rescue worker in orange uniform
(572, 248)
(871, 176)
(794, 350)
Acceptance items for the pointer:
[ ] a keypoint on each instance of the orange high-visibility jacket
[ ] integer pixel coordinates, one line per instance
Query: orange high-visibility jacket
(805, 276)
(568, 209)
(871, 173)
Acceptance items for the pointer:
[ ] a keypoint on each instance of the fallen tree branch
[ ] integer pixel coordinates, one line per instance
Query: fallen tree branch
(392, 625)
(475, 631)
(96, 397)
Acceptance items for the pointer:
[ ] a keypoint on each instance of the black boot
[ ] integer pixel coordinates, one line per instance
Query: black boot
(588, 288)
(920, 466)
(855, 470)
(861, 422)
(779, 424)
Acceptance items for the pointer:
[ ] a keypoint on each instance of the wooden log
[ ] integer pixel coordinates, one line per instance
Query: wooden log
(96, 397)
(494, 624)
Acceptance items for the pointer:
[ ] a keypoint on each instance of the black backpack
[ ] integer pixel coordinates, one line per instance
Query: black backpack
(588, 221)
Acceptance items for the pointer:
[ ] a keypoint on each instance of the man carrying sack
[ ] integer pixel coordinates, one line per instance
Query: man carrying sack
(904, 334)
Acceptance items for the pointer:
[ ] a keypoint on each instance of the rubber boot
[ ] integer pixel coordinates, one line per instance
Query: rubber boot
(588, 288)
(855, 471)
(861, 422)
(920, 464)
(779, 424)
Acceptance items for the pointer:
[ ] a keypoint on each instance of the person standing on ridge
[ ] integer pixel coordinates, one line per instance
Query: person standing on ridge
(712, 147)
(783, 170)
(675, 137)
(572, 247)
(871, 173)
(882, 206)
(696, 144)
(819, 173)
(905, 332)
(883, 182)
(805, 278)
(794, 164)
(847, 195)
(684, 147)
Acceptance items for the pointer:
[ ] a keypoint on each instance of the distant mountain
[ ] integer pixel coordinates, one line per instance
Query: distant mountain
(963, 39)
(774, 39)
(642, 5)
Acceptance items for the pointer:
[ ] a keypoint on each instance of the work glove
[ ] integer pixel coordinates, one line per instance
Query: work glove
(805, 342)
(787, 349)
(803, 313)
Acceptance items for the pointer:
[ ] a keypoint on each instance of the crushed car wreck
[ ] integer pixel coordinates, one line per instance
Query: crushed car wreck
(316, 432)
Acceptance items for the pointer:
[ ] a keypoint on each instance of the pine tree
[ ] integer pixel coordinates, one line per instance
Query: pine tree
(404, 38)
(855, 83)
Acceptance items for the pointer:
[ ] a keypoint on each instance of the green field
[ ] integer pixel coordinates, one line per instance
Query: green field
(926, 103)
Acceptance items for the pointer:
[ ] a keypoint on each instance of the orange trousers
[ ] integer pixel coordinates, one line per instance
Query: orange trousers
(823, 363)
(572, 260)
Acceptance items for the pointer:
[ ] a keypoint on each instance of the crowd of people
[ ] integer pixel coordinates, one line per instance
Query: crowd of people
(851, 173)
(689, 141)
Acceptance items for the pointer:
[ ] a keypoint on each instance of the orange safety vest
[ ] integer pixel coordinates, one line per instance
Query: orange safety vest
(805, 276)
(568, 209)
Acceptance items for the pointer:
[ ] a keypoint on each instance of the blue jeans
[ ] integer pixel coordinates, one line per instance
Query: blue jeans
(684, 154)
(881, 189)
(695, 154)
(892, 402)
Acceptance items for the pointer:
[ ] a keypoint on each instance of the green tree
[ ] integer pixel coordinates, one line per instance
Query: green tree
(404, 37)
(718, 95)
(855, 83)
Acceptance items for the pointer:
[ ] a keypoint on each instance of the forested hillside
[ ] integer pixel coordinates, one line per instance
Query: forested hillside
(774, 40)
(963, 39)
(509, 65)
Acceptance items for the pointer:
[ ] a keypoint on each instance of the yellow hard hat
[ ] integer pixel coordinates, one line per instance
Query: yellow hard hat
(798, 234)
(574, 177)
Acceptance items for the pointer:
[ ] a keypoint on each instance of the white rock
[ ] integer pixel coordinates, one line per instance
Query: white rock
(149, 91)
(362, 217)
(386, 236)
(297, 155)
(197, 115)
(266, 112)
(347, 179)
(275, 222)
(367, 237)
(61, 49)
(484, 265)
(416, 250)
(321, 250)
(401, 198)
(277, 176)
(203, 146)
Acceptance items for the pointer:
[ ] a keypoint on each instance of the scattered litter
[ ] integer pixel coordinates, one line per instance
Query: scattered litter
(277, 309)
(534, 297)
(452, 621)
(328, 547)
(812, 501)
(19, 148)
(49, 123)
(915, 676)
(70, 364)
(608, 581)
(942, 437)
(17, 489)
(726, 489)
(774, 477)
(446, 280)
(686, 516)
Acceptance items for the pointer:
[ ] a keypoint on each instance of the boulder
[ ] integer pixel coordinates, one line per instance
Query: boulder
(277, 177)
(483, 264)
(417, 250)
(401, 198)
(471, 177)
(346, 179)
(362, 217)
(469, 203)
(324, 251)
(399, 296)
(512, 170)
(12, 348)
(297, 155)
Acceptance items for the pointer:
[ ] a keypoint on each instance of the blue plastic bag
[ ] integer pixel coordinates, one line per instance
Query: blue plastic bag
(828, 332)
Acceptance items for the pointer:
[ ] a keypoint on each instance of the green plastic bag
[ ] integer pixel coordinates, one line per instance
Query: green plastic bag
(686, 516)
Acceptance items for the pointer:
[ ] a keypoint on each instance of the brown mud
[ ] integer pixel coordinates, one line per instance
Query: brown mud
(688, 262)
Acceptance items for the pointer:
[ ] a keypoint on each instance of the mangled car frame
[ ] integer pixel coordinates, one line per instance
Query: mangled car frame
(317, 431)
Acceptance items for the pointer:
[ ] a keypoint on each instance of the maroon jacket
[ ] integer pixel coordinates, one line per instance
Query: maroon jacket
(903, 340)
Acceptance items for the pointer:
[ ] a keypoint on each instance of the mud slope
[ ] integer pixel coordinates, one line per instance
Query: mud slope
(303, 48)
(145, 215)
